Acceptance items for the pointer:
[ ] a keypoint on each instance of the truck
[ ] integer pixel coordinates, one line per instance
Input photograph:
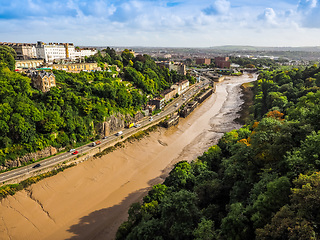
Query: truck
(95, 143)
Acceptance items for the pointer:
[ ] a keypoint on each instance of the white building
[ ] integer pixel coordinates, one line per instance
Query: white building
(59, 51)
(54, 51)
(181, 87)
(84, 52)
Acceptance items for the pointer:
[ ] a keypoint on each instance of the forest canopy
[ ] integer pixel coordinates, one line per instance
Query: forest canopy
(259, 182)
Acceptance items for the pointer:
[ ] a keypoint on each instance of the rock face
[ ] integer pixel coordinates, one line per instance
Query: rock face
(115, 123)
(28, 157)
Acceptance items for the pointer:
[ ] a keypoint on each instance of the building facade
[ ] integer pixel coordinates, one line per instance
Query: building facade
(20, 64)
(24, 50)
(49, 52)
(178, 67)
(54, 51)
(222, 62)
(158, 102)
(62, 51)
(169, 94)
(181, 87)
(42, 80)
(200, 61)
(76, 67)
(80, 53)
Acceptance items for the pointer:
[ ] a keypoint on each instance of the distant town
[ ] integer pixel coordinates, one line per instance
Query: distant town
(38, 59)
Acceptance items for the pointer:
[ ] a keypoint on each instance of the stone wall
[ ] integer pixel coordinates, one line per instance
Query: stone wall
(28, 157)
(113, 124)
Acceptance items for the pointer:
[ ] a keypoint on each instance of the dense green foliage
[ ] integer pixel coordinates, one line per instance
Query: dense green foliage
(7, 55)
(67, 115)
(259, 182)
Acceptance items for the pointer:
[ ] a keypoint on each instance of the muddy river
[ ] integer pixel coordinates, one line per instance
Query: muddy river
(91, 200)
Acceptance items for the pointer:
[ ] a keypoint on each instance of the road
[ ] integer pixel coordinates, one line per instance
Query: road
(66, 156)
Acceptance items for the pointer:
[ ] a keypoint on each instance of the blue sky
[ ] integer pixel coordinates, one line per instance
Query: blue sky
(162, 23)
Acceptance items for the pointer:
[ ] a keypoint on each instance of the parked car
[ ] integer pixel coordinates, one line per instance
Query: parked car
(105, 137)
(37, 165)
(75, 152)
(72, 150)
(137, 125)
(151, 118)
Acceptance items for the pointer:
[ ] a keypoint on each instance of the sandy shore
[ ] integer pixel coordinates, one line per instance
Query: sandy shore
(91, 200)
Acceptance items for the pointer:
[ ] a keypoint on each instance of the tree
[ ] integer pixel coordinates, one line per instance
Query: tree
(212, 157)
(276, 196)
(205, 230)
(180, 175)
(157, 193)
(119, 64)
(7, 56)
(138, 66)
(148, 230)
(277, 100)
(263, 140)
(127, 56)
(306, 198)
(209, 191)
(52, 122)
(180, 214)
(307, 157)
(307, 110)
(19, 127)
(227, 141)
(235, 225)
(286, 225)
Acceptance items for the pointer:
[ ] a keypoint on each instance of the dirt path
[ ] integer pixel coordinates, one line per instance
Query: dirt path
(91, 200)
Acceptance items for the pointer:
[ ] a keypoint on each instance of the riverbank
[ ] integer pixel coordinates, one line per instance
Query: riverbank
(247, 97)
(91, 200)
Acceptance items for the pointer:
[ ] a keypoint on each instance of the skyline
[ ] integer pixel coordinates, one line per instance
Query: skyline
(164, 23)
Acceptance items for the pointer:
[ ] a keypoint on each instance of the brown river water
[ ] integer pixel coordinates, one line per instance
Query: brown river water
(91, 200)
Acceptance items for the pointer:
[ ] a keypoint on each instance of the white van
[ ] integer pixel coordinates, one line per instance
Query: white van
(119, 133)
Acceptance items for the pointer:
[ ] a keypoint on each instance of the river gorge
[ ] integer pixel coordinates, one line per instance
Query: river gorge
(91, 200)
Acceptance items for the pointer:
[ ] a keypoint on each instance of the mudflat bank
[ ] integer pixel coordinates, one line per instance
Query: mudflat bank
(91, 200)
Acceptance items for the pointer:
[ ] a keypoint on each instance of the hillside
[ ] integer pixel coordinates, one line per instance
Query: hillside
(71, 113)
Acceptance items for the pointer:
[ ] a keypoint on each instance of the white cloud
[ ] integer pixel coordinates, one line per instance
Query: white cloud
(308, 12)
(269, 16)
(160, 23)
(218, 7)
(307, 5)
(222, 6)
